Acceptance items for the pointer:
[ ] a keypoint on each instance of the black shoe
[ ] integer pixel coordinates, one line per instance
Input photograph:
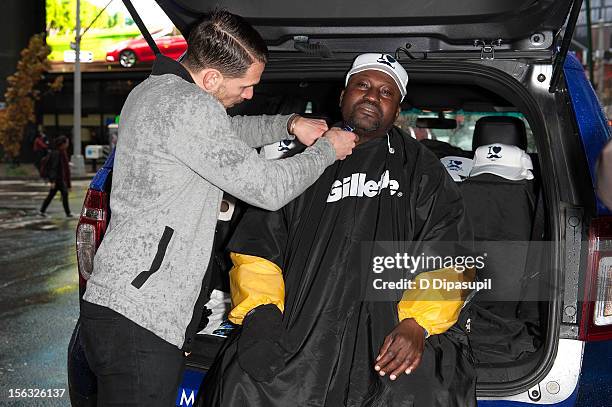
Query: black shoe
(44, 215)
(70, 215)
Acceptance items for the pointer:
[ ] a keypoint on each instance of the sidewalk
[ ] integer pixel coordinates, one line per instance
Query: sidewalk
(27, 171)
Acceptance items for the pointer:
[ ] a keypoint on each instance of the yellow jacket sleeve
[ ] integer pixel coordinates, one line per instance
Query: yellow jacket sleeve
(435, 309)
(254, 281)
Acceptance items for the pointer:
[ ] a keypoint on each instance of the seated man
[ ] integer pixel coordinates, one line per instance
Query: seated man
(309, 337)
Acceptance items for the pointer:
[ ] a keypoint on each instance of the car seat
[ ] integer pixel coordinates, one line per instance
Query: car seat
(500, 199)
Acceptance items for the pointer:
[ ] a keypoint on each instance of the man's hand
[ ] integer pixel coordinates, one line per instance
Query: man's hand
(307, 131)
(402, 350)
(343, 142)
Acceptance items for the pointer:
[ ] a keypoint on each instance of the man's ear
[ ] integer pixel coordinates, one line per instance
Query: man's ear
(211, 80)
(397, 113)
(341, 96)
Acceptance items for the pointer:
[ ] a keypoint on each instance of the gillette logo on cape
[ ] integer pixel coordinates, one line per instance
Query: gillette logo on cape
(356, 185)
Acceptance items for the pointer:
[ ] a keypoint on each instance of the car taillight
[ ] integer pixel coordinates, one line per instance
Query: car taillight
(596, 321)
(90, 231)
(86, 248)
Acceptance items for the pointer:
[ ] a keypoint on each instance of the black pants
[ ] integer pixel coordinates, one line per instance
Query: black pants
(63, 190)
(133, 366)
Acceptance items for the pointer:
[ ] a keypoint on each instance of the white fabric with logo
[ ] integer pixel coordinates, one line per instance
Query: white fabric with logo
(358, 186)
(277, 150)
(458, 167)
(509, 162)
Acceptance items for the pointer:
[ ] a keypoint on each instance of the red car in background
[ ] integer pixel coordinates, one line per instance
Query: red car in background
(129, 53)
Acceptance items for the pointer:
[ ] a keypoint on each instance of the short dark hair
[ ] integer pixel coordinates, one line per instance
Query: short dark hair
(226, 42)
(59, 141)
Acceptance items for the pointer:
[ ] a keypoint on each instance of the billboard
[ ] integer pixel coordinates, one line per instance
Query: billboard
(110, 38)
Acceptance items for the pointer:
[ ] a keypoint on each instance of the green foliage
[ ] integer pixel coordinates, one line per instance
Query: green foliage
(97, 42)
(61, 16)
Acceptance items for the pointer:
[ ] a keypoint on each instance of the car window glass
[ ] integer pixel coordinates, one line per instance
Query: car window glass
(461, 136)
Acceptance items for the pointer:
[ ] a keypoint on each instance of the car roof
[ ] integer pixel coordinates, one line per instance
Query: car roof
(452, 21)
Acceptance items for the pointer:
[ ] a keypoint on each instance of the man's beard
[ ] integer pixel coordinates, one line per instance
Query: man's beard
(221, 96)
(362, 124)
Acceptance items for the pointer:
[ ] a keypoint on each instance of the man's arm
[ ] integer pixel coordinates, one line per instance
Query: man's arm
(203, 139)
(258, 291)
(435, 309)
(421, 312)
(424, 312)
(258, 247)
(258, 131)
(254, 281)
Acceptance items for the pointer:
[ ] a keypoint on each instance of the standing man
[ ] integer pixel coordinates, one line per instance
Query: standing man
(318, 326)
(177, 152)
(57, 171)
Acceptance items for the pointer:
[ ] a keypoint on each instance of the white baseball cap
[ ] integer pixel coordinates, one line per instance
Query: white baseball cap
(384, 63)
(458, 167)
(510, 162)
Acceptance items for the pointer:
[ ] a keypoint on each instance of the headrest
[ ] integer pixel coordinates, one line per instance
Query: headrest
(509, 162)
(500, 129)
(458, 167)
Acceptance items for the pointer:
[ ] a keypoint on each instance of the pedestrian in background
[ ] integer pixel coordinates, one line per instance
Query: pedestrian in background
(40, 147)
(57, 171)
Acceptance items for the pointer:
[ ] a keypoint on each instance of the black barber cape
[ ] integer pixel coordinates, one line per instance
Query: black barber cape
(333, 336)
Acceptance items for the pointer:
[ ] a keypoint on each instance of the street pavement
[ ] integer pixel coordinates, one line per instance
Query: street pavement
(38, 292)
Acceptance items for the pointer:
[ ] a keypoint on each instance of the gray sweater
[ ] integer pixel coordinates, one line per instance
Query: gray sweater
(177, 151)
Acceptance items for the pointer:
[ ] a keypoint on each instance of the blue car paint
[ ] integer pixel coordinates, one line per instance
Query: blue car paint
(99, 180)
(595, 389)
(188, 389)
(592, 122)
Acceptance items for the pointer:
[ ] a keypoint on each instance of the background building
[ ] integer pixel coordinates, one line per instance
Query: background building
(594, 47)
(106, 84)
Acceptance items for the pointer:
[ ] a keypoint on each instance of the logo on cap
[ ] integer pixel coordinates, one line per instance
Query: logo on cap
(284, 145)
(387, 60)
(494, 152)
(455, 165)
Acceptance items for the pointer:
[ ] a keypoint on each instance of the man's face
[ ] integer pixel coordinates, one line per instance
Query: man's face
(370, 102)
(233, 91)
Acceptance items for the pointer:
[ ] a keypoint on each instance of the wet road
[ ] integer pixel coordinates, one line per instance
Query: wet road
(38, 292)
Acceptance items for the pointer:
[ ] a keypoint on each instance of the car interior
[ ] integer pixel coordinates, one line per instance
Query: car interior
(507, 325)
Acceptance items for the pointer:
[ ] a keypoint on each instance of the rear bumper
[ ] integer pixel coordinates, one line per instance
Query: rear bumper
(559, 388)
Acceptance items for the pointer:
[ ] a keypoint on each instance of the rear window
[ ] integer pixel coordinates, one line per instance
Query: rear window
(461, 136)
